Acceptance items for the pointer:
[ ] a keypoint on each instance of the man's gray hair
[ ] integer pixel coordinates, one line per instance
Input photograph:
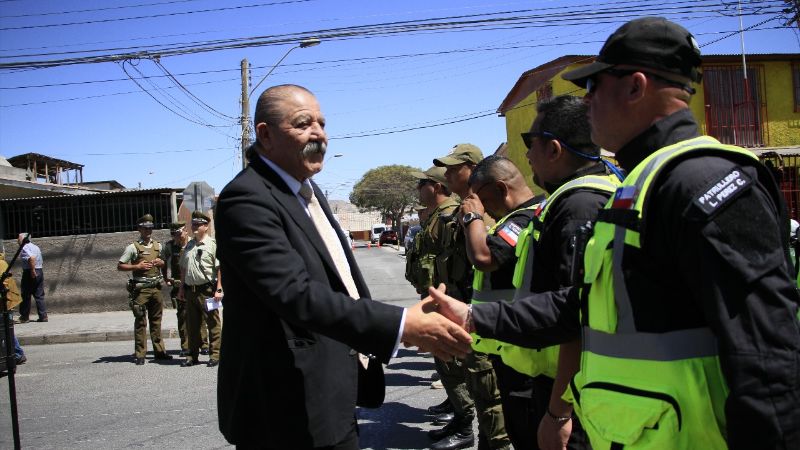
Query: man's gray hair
(267, 110)
(565, 117)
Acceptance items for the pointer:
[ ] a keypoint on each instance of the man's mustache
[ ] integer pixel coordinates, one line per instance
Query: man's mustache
(314, 148)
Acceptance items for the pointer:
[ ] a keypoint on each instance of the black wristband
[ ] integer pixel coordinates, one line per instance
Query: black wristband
(558, 419)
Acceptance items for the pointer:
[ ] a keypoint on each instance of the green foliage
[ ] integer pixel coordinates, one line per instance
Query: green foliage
(392, 190)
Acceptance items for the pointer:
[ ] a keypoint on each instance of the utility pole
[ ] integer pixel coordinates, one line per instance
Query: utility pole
(245, 112)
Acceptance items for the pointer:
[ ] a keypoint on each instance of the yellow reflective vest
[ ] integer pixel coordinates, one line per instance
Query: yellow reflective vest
(543, 361)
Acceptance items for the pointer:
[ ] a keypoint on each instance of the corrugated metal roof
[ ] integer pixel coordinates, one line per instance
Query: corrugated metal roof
(123, 193)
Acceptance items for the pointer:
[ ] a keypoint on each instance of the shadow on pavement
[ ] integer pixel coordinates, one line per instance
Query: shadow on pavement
(402, 379)
(387, 427)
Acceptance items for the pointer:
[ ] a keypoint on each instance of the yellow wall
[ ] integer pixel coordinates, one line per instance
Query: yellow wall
(519, 120)
(783, 123)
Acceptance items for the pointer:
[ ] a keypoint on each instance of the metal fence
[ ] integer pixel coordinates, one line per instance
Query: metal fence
(85, 214)
(786, 169)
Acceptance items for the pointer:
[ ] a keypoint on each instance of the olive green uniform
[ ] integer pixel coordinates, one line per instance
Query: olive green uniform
(199, 267)
(145, 297)
(172, 256)
(455, 270)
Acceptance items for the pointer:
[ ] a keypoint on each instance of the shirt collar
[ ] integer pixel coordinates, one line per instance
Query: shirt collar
(290, 181)
(672, 129)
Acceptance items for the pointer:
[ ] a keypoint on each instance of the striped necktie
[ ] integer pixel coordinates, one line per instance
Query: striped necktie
(330, 238)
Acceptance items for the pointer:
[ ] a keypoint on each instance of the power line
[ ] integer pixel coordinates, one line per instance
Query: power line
(108, 8)
(485, 21)
(152, 16)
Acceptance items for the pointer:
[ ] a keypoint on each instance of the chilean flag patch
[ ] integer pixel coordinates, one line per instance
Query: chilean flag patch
(623, 198)
(510, 233)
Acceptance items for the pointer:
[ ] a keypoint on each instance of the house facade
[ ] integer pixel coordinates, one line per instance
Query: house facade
(760, 112)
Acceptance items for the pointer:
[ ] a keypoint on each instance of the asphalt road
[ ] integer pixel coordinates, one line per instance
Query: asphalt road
(90, 396)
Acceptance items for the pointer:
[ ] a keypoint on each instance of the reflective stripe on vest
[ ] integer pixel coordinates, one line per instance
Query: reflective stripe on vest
(644, 390)
(482, 292)
(531, 361)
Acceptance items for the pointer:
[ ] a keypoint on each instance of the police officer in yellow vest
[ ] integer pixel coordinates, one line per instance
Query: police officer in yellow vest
(500, 191)
(689, 313)
(454, 269)
(420, 272)
(201, 287)
(172, 255)
(143, 259)
(567, 164)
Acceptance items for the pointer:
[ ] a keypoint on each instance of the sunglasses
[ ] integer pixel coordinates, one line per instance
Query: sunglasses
(527, 138)
(421, 183)
(592, 82)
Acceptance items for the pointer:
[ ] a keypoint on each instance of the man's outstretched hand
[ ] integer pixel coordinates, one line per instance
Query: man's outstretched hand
(447, 306)
(430, 331)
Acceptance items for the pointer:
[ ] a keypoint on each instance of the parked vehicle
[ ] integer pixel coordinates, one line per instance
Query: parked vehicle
(410, 236)
(388, 237)
(377, 229)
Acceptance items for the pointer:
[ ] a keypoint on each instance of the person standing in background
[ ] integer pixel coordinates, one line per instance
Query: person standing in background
(32, 279)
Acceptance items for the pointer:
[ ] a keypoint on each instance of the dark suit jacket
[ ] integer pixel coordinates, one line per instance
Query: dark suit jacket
(287, 375)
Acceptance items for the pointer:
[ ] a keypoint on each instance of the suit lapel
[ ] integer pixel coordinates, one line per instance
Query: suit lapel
(289, 201)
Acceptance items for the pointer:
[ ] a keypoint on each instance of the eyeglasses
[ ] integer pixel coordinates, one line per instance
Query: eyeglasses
(592, 82)
(528, 137)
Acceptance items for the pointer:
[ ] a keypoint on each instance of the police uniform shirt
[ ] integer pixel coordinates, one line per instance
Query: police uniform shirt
(726, 268)
(130, 255)
(502, 251)
(552, 264)
(199, 261)
(166, 255)
(503, 254)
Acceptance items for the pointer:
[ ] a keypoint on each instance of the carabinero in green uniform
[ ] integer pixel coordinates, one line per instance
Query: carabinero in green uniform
(143, 259)
(454, 269)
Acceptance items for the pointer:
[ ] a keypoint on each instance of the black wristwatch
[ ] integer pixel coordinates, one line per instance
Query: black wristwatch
(219, 291)
(471, 216)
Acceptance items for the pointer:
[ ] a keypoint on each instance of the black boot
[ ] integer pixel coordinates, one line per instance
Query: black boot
(441, 408)
(462, 439)
(454, 426)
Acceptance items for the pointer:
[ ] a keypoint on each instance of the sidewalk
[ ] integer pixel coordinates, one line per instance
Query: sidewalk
(88, 327)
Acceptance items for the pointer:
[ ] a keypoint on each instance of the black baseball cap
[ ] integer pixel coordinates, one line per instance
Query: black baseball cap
(650, 42)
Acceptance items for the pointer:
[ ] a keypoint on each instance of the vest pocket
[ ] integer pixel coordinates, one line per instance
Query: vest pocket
(614, 413)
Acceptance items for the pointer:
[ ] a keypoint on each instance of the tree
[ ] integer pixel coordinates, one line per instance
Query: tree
(392, 190)
(792, 11)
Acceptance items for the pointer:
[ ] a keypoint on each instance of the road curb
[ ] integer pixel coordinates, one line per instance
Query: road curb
(101, 336)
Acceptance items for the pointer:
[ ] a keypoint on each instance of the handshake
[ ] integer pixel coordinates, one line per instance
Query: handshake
(437, 324)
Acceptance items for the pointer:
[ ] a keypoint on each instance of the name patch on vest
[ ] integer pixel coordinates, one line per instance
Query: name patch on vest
(718, 194)
(510, 233)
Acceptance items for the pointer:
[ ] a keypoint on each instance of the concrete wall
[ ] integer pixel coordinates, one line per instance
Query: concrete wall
(80, 272)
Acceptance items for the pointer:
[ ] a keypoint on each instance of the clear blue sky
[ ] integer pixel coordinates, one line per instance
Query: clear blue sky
(387, 80)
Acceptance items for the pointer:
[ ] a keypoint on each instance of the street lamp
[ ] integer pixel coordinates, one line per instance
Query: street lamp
(310, 42)
(305, 43)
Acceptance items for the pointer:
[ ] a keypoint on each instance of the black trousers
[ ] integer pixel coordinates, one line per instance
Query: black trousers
(32, 287)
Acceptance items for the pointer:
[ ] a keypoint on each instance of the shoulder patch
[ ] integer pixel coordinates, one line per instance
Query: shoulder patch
(718, 194)
(510, 233)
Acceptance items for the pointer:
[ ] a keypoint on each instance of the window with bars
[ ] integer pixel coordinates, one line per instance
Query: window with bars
(736, 106)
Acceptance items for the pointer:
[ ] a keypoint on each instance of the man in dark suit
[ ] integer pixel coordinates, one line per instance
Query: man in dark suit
(297, 309)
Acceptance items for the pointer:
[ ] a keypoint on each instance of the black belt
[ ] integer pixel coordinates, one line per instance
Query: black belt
(199, 287)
